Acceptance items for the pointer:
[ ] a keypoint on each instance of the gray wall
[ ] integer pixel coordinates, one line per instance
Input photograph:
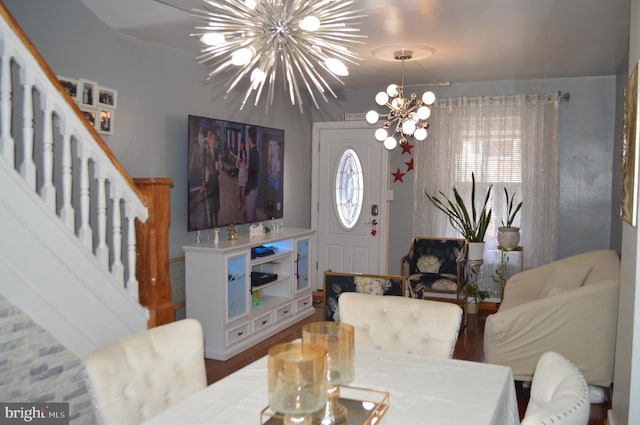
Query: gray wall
(587, 131)
(157, 88)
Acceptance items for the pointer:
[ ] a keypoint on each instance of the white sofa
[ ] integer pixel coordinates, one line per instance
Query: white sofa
(541, 312)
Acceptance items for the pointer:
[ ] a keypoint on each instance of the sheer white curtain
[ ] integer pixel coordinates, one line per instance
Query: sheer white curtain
(509, 142)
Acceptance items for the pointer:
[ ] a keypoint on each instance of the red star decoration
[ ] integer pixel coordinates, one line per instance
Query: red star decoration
(409, 164)
(406, 148)
(398, 175)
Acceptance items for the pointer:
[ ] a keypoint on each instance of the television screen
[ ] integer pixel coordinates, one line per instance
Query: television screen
(235, 173)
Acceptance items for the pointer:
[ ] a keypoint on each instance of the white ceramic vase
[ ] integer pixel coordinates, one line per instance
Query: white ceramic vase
(476, 252)
(508, 237)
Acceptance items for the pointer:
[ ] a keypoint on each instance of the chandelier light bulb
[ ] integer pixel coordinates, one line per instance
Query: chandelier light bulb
(212, 39)
(428, 98)
(381, 134)
(310, 23)
(420, 134)
(337, 67)
(257, 77)
(241, 57)
(382, 98)
(423, 112)
(390, 143)
(392, 90)
(372, 117)
(408, 127)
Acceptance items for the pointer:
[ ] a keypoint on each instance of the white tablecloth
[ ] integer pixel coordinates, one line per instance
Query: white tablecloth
(422, 391)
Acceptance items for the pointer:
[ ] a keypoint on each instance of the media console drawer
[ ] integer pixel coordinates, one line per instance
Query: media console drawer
(284, 311)
(304, 303)
(262, 322)
(238, 333)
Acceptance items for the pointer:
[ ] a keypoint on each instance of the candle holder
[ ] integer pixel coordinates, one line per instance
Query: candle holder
(297, 381)
(337, 339)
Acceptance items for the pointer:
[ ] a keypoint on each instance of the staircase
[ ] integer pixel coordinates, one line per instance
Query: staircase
(68, 210)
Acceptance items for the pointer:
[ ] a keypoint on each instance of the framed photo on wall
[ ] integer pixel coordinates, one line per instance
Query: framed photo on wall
(87, 93)
(70, 85)
(90, 115)
(336, 283)
(629, 195)
(107, 97)
(104, 122)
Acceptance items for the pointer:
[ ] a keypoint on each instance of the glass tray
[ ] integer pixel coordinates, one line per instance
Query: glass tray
(365, 407)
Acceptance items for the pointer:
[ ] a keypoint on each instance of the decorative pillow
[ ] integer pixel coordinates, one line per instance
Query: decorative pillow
(444, 285)
(428, 264)
(563, 278)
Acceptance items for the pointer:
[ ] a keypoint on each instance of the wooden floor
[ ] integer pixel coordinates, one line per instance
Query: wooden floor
(468, 347)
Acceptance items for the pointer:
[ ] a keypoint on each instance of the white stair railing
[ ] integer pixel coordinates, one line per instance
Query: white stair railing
(45, 138)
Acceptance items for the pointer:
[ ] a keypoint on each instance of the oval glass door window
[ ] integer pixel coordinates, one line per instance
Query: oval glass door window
(349, 189)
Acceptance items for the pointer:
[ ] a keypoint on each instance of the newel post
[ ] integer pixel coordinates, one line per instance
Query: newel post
(152, 264)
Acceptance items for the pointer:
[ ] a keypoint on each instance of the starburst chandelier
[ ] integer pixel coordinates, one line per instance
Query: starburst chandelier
(301, 42)
(407, 117)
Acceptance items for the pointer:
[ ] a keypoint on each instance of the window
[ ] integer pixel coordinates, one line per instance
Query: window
(349, 189)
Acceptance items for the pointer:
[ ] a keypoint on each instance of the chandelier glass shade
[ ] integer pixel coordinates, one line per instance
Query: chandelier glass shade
(407, 116)
(304, 44)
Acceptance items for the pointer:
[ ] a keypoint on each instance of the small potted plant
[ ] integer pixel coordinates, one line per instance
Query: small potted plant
(472, 227)
(509, 235)
(474, 296)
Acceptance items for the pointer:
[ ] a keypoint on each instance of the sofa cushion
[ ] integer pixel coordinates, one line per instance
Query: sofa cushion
(563, 278)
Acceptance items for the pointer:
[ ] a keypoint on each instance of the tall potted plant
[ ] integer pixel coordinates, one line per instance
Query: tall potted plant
(509, 235)
(472, 227)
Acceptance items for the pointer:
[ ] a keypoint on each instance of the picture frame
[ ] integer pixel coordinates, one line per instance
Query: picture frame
(629, 192)
(87, 93)
(90, 115)
(104, 121)
(107, 97)
(70, 85)
(335, 283)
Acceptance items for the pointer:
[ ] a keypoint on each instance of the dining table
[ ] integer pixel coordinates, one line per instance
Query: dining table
(421, 390)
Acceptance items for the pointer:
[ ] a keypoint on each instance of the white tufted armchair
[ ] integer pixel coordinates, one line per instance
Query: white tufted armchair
(410, 325)
(142, 374)
(559, 393)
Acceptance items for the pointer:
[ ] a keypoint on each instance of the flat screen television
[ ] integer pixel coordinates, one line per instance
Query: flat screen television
(235, 173)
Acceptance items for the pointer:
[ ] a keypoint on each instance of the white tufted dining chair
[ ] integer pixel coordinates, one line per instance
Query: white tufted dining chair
(142, 374)
(559, 393)
(408, 325)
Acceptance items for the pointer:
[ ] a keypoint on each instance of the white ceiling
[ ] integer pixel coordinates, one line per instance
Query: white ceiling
(474, 40)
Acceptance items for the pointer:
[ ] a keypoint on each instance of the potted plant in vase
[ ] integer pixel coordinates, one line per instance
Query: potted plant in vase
(474, 296)
(509, 235)
(472, 227)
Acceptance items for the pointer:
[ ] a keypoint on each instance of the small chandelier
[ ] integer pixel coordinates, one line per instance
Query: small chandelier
(407, 117)
(303, 40)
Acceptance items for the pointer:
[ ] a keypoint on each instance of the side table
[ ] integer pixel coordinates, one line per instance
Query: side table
(503, 264)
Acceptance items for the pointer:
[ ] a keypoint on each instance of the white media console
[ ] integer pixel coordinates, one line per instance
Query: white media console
(219, 293)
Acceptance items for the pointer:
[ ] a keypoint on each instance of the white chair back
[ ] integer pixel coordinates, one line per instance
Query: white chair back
(391, 323)
(142, 374)
(559, 393)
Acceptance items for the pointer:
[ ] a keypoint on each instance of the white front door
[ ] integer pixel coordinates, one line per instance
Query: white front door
(350, 248)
